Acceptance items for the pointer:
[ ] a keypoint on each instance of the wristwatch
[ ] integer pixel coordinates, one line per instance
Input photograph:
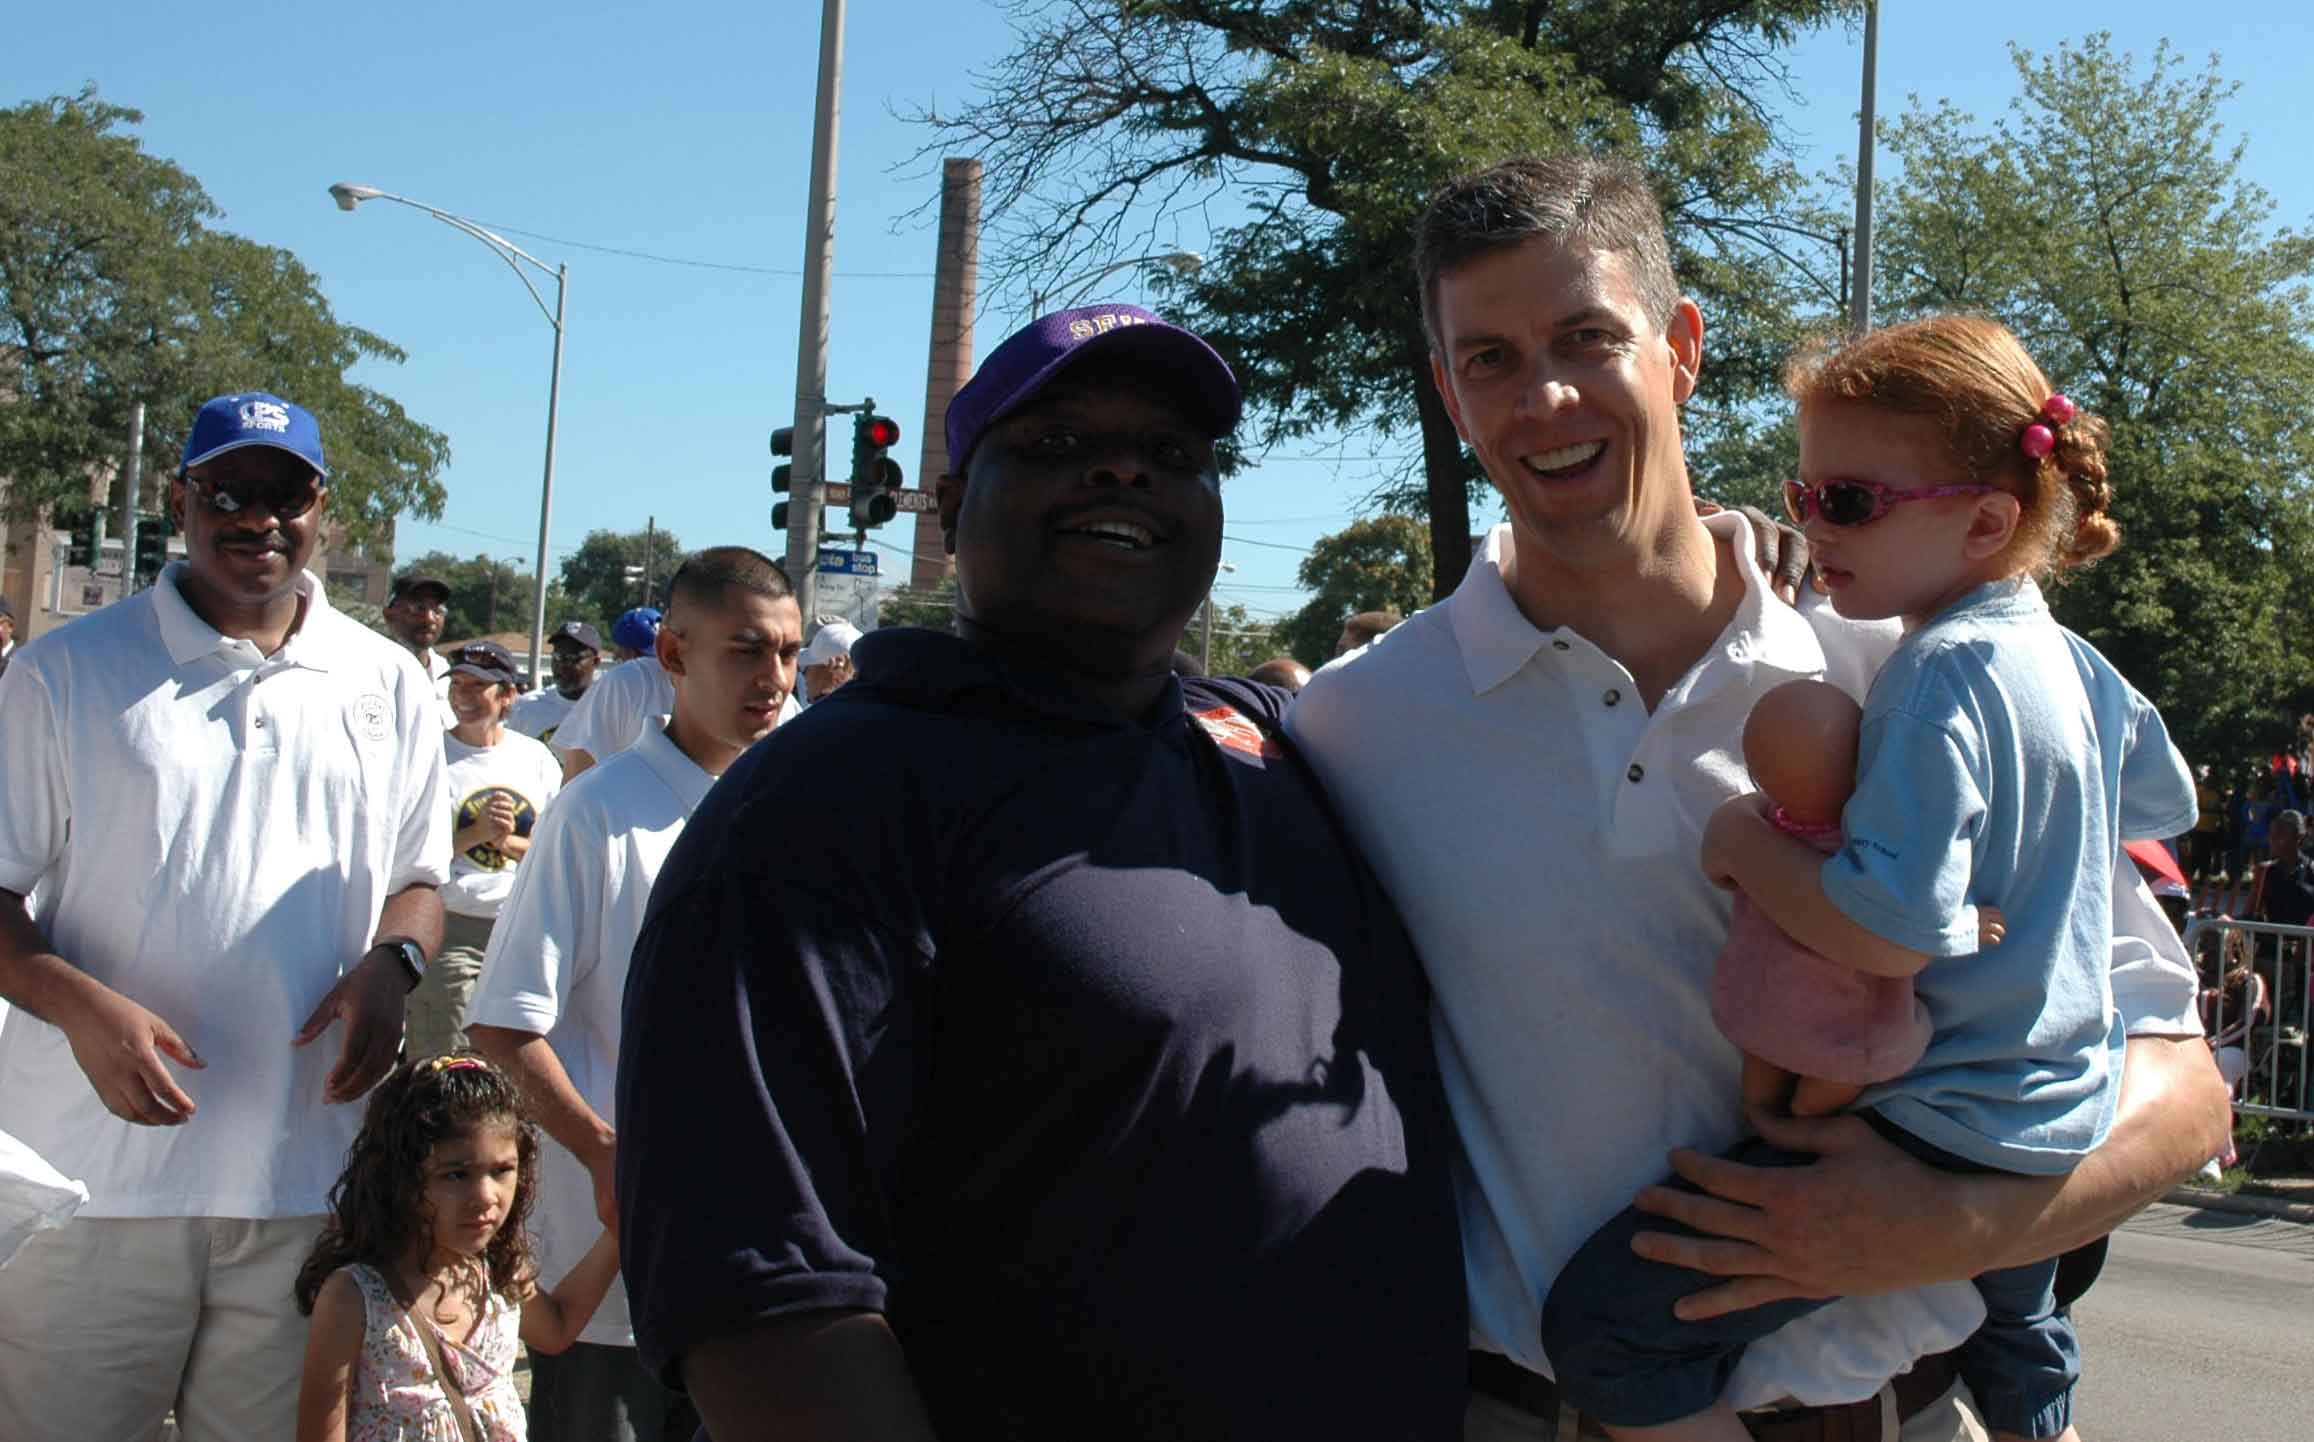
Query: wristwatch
(412, 956)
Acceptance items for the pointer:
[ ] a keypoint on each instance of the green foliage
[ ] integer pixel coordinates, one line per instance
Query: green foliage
(605, 576)
(1380, 563)
(2105, 221)
(489, 595)
(115, 289)
(1241, 641)
(935, 610)
(1113, 124)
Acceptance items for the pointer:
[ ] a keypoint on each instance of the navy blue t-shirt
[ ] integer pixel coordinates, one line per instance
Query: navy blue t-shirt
(1090, 1054)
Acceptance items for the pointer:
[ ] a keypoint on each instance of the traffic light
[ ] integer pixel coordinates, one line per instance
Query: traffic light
(83, 547)
(152, 546)
(875, 475)
(782, 476)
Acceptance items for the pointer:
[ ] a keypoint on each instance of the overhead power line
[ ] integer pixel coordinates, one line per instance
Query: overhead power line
(658, 259)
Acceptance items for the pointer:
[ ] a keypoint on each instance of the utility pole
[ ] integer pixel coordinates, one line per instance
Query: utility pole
(490, 616)
(1860, 298)
(811, 359)
(650, 544)
(132, 487)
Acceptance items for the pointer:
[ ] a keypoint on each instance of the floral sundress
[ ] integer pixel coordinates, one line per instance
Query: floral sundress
(397, 1397)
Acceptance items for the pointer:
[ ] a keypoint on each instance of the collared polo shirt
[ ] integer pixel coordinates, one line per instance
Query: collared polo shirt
(437, 668)
(557, 964)
(1088, 1053)
(214, 833)
(1541, 831)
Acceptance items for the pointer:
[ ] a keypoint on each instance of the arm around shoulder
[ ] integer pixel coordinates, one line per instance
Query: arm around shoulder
(333, 1348)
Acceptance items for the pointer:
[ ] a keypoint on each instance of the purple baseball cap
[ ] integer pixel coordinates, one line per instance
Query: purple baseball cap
(1032, 356)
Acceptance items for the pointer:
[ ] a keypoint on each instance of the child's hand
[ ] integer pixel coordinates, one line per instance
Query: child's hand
(1733, 827)
(1991, 926)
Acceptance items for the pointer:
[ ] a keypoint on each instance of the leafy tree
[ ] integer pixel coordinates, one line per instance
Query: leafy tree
(487, 594)
(2106, 222)
(1380, 563)
(934, 609)
(605, 576)
(1241, 640)
(1114, 124)
(115, 289)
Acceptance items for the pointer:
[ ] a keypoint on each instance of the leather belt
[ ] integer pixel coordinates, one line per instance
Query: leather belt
(1930, 1378)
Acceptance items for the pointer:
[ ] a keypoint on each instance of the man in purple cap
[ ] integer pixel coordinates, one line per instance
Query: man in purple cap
(230, 800)
(1077, 1083)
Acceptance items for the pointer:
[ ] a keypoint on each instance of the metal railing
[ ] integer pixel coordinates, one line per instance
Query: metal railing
(2269, 1070)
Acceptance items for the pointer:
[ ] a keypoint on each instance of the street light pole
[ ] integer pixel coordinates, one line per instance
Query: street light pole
(1860, 296)
(811, 362)
(347, 197)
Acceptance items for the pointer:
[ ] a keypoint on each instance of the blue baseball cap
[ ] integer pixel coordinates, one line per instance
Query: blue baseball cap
(1032, 356)
(253, 418)
(637, 629)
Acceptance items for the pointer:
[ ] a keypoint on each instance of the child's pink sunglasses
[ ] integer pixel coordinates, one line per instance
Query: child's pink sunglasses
(1844, 501)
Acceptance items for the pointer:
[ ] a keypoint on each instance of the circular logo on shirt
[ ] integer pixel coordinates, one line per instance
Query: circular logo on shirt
(470, 810)
(374, 715)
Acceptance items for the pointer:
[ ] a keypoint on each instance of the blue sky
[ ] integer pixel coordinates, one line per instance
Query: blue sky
(684, 131)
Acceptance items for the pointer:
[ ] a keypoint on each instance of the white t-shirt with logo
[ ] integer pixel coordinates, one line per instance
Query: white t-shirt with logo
(540, 714)
(214, 833)
(481, 876)
(557, 964)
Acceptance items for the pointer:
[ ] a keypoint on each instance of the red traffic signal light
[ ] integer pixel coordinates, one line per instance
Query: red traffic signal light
(881, 431)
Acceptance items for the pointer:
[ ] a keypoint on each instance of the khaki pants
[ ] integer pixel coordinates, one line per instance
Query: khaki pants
(1950, 1418)
(107, 1323)
(435, 1022)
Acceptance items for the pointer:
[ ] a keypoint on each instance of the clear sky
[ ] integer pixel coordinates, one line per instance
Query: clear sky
(684, 130)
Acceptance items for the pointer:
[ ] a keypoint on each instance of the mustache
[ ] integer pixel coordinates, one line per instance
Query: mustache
(256, 540)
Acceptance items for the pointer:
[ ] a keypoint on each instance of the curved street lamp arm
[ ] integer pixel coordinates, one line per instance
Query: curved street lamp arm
(503, 248)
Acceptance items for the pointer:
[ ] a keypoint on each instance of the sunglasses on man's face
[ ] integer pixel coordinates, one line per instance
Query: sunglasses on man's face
(1843, 501)
(286, 498)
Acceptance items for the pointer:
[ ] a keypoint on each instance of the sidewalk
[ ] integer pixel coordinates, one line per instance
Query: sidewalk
(2288, 1198)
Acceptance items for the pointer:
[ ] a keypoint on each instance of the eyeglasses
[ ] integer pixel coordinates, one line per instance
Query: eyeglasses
(285, 498)
(1843, 501)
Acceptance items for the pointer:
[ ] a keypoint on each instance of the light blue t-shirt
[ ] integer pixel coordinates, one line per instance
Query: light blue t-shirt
(2003, 762)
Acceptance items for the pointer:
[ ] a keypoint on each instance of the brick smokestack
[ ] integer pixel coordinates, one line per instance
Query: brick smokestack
(955, 293)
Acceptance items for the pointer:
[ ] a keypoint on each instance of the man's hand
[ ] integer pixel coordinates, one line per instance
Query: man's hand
(1733, 829)
(600, 1168)
(1862, 1219)
(1780, 548)
(1991, 926)
(370, 1000)
(119, 1046)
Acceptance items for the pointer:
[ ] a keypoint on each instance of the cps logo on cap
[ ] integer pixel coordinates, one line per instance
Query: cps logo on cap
(264, 416)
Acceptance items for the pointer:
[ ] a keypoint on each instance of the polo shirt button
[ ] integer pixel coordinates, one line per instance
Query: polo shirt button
(1636, 771)
(260, 721)
(1557, 644)
(1611, 698)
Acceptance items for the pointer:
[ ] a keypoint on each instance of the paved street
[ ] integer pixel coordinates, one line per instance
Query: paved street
(2201, 1328)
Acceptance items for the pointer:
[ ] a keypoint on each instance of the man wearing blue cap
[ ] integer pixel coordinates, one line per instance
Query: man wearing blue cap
(230, 799)
(1076, 1083)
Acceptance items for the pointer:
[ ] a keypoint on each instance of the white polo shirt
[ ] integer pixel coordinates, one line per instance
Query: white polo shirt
(557, 964)
(214, 833)
(437, 667)
(624, 702)
(1540, 831)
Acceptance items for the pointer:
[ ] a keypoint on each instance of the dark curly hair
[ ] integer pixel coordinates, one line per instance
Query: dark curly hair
(378, 1207)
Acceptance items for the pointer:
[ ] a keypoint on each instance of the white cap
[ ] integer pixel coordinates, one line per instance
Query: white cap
(834, 638)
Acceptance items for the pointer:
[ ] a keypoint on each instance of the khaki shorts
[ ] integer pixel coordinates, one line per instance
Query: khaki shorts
(435, 1022)
(1950, 1418)
(108, 1323)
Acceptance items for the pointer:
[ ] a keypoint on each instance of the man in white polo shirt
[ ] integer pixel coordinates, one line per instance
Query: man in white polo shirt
(1529, 765)
(547, 1007)
(230, 799)
(624, 702)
